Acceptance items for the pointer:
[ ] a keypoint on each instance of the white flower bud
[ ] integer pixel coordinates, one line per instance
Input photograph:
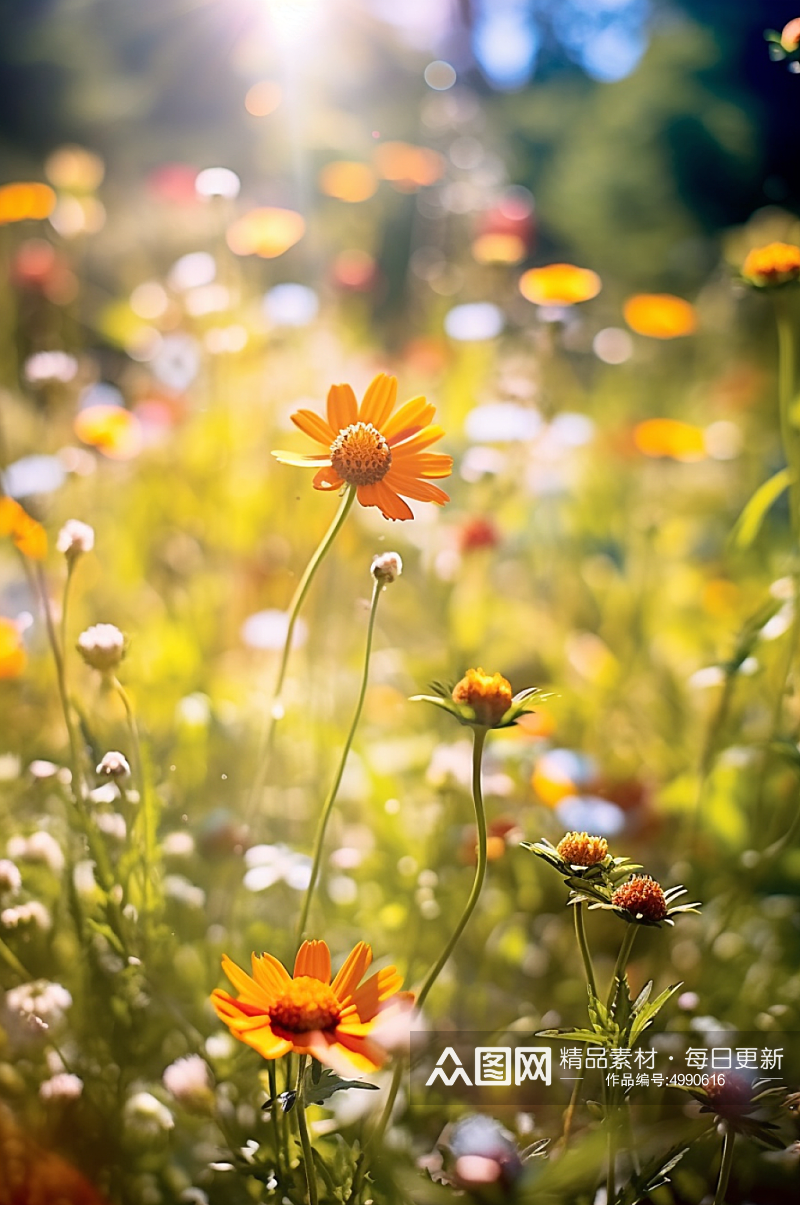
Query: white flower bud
(386, 567)
(102, 646)
(114, 765)
(75, 538)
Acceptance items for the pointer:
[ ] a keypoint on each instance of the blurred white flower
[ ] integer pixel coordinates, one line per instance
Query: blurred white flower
(178, 845)
(179, 888)
(50, 366)
(267, 630)
(102, 646)
(31, 913)
(189, 1081)
(40, 1000)
(61, 1087)
(10, 878)
(111, 824)
(41, 847)
(270, 864)
(75, 538)
(146, 1115)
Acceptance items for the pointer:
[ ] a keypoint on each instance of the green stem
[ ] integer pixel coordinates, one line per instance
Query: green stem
(327, 807)
(789, 434)
(725, 1166)
(583, 946)
(274, 1110)
(480, 872)
(9, 957)
(611, 1183)
(622, 962)
(58, 658)
(479, 735)
(305, 1140)
(96, 847)
(790, 438)
(276, 708)
(144, 807)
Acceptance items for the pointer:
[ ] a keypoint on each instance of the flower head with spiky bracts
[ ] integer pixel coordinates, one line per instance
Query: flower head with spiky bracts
(481, 700)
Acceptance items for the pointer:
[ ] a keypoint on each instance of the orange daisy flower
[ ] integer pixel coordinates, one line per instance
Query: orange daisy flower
(383, 455)
(559, 284)
(12, 651)
(28, 535)
(276, 1013)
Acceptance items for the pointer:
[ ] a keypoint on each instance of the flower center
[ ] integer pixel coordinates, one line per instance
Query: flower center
(361, 455)
(306, 1004)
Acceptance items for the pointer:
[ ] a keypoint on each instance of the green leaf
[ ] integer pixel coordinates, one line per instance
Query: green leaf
(748, 524)
(649, 1012)
(595, 1037)
(643, 997)
(107, 932)
(318, 1091)
(652, 1176)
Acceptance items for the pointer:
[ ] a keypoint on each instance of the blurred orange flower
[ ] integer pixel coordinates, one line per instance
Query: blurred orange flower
(28, 535)
(25, 200)
(790, 35)
(113, 430)
(660, 315)
(382, 454)
(13, 657)
(348, 181)
(498, 247)
(267, 232)
(671, 438)
(408, 167)
(276, 1013)
(559, 284)
(263, 98)
(775, 264)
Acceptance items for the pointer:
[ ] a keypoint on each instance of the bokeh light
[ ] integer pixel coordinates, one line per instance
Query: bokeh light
(348, 181)
(267, 232)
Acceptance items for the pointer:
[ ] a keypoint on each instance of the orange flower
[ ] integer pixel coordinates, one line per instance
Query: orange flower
(23, 200)
(113, 430)
(12, 651)
(790, 35)
(275, 1013)
(775, 264)
(660, 315)
(383, 455)
(559, 284)
(671, 438)
(28, 535)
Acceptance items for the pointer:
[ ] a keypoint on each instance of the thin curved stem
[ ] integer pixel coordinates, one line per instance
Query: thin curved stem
(144, 802)
(330, 799)
(58, 658)
(789, 434)
(790, 438)
(622, 961)
(583, 946)
(479, 735)
(274, 1111)
(725, 1166)
(479, 740)
(305, 1140)
(298, 598)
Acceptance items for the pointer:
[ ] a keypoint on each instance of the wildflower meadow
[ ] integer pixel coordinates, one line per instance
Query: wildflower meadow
(399, 603)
